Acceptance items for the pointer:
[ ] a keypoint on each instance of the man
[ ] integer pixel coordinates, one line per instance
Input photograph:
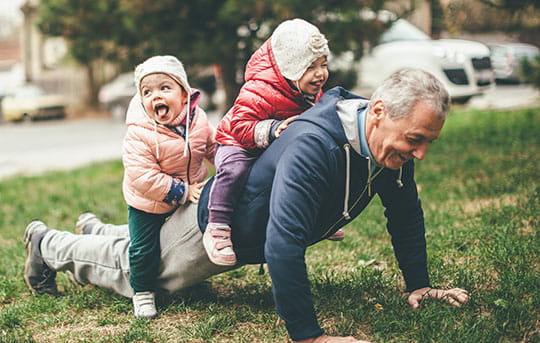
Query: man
(316, 178)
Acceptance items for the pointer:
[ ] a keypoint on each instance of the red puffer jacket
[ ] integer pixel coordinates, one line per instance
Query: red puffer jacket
(265, 95)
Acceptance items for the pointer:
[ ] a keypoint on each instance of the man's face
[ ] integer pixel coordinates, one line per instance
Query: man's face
(394, 142)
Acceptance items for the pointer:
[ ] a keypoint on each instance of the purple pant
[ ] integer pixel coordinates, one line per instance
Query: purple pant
(233, 164)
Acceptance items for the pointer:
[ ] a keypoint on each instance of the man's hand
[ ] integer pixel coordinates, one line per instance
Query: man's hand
(194, 192)
(331, 339)
(284, 125)
(454, 296)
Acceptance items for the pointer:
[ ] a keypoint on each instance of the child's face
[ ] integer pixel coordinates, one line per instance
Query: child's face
(162, 97)
(315, 76)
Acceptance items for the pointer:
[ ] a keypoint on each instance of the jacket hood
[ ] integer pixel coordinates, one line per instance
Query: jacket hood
(345, 132)
(262, 66)
(140, 117)
(344, 104)
(347, 110)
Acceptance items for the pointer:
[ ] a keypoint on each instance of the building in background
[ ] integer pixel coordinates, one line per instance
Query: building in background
(46, 63)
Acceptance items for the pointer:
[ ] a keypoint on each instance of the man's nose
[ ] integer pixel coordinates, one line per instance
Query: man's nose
(420, 152)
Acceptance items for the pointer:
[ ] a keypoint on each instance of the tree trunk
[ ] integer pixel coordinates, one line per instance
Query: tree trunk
(228, 69)
(93, 88)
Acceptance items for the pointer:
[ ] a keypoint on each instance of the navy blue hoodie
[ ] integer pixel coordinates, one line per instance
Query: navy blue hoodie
(294, 197)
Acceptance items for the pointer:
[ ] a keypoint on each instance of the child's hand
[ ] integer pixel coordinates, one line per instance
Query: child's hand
(284, 125)
(194, 192)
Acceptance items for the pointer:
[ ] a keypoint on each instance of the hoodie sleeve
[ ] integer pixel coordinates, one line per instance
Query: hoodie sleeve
(405, 223)
(301, 179)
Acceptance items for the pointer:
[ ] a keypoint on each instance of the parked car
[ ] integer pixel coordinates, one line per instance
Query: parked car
(30, 102)
(114, 96)
(507, 58)
(463, 66)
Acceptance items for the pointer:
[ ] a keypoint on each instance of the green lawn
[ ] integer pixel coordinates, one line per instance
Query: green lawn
(481, 193)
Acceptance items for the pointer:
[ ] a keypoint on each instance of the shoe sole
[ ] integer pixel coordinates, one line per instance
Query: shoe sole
(28, 232)
(26, 267)
(207, 243)
(336, 239)
(28, 244)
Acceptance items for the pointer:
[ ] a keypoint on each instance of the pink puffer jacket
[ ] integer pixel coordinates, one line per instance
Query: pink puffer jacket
(153, 157)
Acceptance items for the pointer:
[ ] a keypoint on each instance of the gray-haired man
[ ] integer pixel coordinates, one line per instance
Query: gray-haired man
(316, 178)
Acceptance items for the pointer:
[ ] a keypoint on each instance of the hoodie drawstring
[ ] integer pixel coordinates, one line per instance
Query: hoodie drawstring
(347, 181)
(369, 179)
(398, 181)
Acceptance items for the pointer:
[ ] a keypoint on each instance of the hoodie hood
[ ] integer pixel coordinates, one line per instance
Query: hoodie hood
(329, 105)
(346, 105)
(347, 110)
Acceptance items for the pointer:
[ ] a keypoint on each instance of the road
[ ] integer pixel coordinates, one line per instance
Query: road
(33, 148)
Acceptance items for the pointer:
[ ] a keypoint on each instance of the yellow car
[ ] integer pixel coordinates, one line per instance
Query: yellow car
(29, 102)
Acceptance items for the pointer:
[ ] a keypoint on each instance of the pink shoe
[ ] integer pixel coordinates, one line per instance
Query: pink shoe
(337, 236)
(218, 245)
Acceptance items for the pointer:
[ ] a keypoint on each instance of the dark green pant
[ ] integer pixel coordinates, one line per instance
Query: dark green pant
(144, 250)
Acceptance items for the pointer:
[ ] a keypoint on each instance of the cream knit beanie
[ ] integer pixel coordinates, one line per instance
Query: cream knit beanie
(296, 44)
(169, 65)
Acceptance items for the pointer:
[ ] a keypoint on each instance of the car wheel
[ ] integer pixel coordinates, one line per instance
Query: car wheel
(26, 118)
(461, 100)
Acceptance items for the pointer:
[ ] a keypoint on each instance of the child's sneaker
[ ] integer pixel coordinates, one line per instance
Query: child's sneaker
(218, 245)
(144, 305)
(337, 236)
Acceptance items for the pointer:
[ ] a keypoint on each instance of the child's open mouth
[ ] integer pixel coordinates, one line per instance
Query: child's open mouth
(161, 110)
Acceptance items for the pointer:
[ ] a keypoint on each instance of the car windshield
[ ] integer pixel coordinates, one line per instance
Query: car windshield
(28, 92)
(403, 30)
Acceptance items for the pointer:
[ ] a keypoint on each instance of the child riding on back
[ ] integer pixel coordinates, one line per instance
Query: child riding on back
(284, 77)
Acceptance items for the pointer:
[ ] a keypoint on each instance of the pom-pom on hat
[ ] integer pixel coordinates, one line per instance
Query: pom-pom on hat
(169, 65)
(296, 44)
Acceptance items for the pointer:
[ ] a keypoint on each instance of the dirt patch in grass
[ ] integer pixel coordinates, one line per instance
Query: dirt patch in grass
(86, 329)
(475, 206)
(80, 332)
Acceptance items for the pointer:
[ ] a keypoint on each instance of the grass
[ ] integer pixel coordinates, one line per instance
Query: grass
(481, 194)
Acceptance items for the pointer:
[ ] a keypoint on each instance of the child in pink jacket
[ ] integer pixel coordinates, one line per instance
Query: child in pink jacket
(163, 154)
(284, 77)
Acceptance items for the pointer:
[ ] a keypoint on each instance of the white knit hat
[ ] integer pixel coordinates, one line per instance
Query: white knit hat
(296, 44)
(169, 65)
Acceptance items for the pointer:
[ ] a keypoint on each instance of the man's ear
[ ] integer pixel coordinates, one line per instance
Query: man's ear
(378, 110)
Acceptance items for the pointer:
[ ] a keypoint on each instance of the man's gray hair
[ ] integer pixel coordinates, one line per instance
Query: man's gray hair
(404, 88)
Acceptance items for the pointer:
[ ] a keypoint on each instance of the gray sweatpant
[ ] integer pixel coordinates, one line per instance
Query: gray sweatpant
(101, 258)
